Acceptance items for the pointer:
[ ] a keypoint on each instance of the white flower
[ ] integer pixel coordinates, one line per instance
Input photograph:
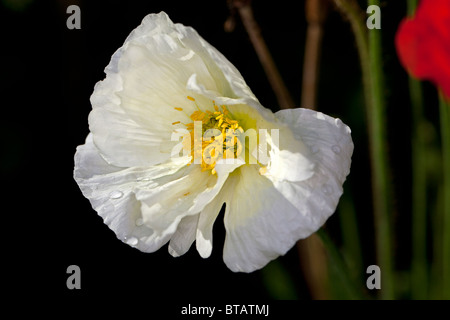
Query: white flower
(157, 84)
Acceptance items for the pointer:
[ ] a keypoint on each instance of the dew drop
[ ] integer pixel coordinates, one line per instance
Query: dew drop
(336, 149)
(326, 189)
(314, 149)
(132, 241)
(320, 116)
(116, 194)
(139, 222)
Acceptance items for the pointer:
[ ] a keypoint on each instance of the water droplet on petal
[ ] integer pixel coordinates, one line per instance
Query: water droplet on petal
(139, 222)
(326, 189)
(320, 116)
(132, 241)
(336, 149)
(116, 194)
(314, 149)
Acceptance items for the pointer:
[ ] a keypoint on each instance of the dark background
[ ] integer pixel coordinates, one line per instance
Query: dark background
(47, 75)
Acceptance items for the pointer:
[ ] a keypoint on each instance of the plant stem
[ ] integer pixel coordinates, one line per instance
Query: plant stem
(312, 253)
(351, 241)
(411, 7)
(339, 264)
(316, 13)
(444, 108)
(254, 31)
(380, 164)
(353, 13)
(369, 49)
(419, 278)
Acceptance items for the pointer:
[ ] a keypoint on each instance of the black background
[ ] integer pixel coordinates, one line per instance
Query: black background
(47, 76)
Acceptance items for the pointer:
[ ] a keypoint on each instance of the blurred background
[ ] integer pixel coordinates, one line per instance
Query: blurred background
(47, 75)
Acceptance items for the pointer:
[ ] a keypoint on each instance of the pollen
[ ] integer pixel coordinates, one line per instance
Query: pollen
(225, 145)
(263, 171)
(178, 109)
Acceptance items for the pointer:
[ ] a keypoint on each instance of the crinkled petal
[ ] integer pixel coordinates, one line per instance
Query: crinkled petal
(144, 206)
(283, 211)
(166, 201)
(123, 141)
(290, 158)
(110, 190)
(209, 214)
(260, 224)
(329, 142)
(204, 235)
(134, 107)
(183, 238)
(233, 85)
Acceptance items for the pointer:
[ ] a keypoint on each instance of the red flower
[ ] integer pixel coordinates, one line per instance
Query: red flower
(423, 43)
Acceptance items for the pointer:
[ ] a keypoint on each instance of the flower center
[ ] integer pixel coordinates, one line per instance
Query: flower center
(219, 137)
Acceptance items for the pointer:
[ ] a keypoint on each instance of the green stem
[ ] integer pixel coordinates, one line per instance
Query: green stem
(444, 107)
(419, 272)
(353, 13)
(369, 49)
(411, 7)
(380, 165)
(351, 241)
(340, 266)
(419, 278)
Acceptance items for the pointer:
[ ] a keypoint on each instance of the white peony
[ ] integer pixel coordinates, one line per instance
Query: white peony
(153, 181)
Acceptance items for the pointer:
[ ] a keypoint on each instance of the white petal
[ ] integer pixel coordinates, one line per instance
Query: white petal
(154, 80)
(110, 190)
(182, 239)
(123, 141)
(158, 66)
(328, 139)
(210, 212)
(206, 221)
(231, 86)
(88, 161)
(260, 224)
(169, 199)
(289, 160)
(282, 211)
(134, 107)
(331, 146)
(230, 82)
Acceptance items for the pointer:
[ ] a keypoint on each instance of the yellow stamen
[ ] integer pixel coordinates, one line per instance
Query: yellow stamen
(176, 122)
(179, 109)
(263, 170)
(226, 145)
